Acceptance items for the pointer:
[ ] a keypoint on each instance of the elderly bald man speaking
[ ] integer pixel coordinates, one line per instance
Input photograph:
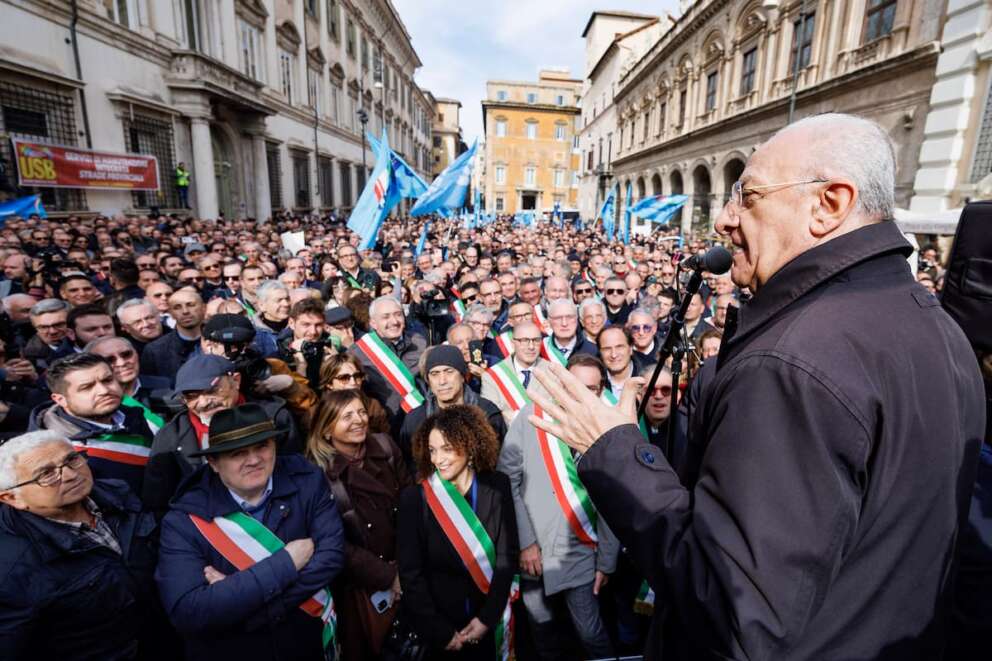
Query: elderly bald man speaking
(832, 454)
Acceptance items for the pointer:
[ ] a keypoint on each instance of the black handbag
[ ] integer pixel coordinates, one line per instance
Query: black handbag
(403, 643)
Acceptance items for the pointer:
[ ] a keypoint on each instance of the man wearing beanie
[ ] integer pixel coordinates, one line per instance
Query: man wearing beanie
(444, 371)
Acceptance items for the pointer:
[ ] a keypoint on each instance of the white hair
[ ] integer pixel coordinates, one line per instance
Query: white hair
(380, 301)
(590, 303)
(135, 303)
(13, 298)
(855, 148)
(267, 287)
(93, 344)
(48, 305)
(561, 302)
(479, 309)
(12, 450)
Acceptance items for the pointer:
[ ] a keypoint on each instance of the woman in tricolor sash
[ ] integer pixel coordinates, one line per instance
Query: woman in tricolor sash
(458, 539)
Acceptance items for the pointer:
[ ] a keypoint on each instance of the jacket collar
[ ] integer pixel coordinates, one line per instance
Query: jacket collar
(814, 267)
(207, 497)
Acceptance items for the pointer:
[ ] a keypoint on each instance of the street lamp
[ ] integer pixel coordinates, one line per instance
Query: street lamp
(363, 117)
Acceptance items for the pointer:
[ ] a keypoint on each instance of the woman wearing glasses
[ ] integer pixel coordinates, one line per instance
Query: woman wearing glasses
(366, 473)
(344, 372)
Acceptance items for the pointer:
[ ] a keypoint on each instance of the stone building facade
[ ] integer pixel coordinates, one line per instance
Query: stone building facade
(531, 155)
(720, 81)
(260, 98)
(447, 134)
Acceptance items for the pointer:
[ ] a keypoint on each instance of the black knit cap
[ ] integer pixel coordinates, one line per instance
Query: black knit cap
(448, 356)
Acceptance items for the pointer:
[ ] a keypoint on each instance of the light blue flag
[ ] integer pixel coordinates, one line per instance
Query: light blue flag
(659, 208)
(371, 209)
(608, 211)
(448, 190)
(405, 181)
(22, 207)
(626, 215)
(477, 207)
(422, 240)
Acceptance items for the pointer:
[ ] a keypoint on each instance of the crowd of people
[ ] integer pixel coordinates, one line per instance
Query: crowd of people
(218, 448)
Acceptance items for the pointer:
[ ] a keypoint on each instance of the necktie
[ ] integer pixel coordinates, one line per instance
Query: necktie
(526, 374)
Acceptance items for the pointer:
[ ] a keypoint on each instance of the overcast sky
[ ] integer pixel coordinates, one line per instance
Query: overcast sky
(464, 43)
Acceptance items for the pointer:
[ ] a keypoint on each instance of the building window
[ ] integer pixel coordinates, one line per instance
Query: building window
(682, 102)
(349, 39)
(287, 71)
(575, 179)
(531, 97)
(190, 25)
(301, 180)
(748, 69)
(711, 81)
(499, 203)
(501, 95)
(437, 141)
(352, 113)
(500, 128)
(879, 17)
(314, 89)
(365, 53)
(530, 176)
(153, 136)
(345, 171)
(335, 104)
(647, 125)
(982, 165)
(122, 12)
(662, 111)
(575, 142)
(40, 115)
(559, 178)
(560, 132)
(589, 156)
(251, 51)
(274, 164)
(805, 45)
(500, 174)
(332, 19)
(560, 100)
(325, 172)
(532, 130)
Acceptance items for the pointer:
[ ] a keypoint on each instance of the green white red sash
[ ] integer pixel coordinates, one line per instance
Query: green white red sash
(462, 527)
(153, 421)
(122, 448)
(392, 369)
(569, 491)
(644, 601)
(550, 352)
(352, 282)
(457, 309)
(504, 342)
(509, 384)
(541, 321)
(243, 541)
(612, 400)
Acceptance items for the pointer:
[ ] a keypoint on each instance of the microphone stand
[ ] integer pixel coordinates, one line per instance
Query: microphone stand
(674, 347)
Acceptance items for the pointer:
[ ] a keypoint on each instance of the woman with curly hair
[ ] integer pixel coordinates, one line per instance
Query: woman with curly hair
(366, 473)
(458, 539)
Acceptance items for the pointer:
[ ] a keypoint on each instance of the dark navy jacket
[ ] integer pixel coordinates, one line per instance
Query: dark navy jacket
(834, 453)
(251, 614)
(65, 597)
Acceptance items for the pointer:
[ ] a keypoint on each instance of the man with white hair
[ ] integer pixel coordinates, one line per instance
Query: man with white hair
(592, 316)
(272, 316)
(140, 321)
(818, 514)
(77, 557)
(390, 356)
(565, 339)
(50, 342)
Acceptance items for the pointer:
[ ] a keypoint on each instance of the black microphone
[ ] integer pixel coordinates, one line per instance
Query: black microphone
(716, 260)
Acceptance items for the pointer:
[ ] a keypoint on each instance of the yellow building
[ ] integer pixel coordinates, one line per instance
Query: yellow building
(531, 161)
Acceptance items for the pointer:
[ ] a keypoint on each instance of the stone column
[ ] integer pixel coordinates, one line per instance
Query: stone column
(263, 198)
(204, 183)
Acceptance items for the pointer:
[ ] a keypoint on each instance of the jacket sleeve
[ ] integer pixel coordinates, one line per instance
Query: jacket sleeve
(607, 549)
(507, 552)
(18, 618)
(196, 607)
(746, 558)
(411, 556)
(327, 534)
(511, 464)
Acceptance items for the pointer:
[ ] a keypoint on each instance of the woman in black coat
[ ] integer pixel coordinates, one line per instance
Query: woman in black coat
(444, 603)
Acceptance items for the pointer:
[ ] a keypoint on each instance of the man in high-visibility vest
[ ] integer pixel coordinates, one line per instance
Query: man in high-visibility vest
(182, 185)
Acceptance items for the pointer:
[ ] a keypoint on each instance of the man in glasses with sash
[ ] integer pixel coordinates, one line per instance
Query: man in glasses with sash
(505, 383)
(249, 548)
(566, 550)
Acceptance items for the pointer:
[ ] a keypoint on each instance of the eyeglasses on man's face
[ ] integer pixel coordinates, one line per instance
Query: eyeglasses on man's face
(527, 340)
(738, 192)
(52, 475)
(616, 291)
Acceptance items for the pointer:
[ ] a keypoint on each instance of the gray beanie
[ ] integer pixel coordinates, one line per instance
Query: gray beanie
(448, 356)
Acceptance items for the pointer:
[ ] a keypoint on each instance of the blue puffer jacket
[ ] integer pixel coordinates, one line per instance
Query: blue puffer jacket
(65, 597)
(251, 614)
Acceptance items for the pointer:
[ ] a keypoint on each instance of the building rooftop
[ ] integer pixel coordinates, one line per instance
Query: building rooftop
(613, 12)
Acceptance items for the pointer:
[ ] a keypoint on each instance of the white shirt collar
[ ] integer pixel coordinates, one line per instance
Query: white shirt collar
(244, 504)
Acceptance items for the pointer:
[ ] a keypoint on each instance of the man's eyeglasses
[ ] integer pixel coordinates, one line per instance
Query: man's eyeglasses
(527, 340)
(616, 291)
(587, 290)
(664, 391)
(52, 475)
(737, 191)
(196, 279)
(641, 328)
(470, 299)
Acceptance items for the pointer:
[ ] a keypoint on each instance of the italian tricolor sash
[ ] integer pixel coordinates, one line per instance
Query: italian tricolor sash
(504, 342)
(612, 400)
(550, 352)
(644, 601)
(123, 448)
(153, 421)
(569, 490)
(352, 282)
(540, 320)
(392, 369)
(457, 309)
(509, 384)
(466, 533)
(243, 541)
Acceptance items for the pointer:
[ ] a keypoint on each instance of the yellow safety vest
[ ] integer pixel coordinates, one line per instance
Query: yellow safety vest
(182, 177)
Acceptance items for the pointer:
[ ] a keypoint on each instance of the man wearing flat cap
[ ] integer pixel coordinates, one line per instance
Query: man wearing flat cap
(249, 547)
(207, 384)
(445, 372)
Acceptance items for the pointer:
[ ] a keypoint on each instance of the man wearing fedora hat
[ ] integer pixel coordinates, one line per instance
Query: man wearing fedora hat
(249, 547)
